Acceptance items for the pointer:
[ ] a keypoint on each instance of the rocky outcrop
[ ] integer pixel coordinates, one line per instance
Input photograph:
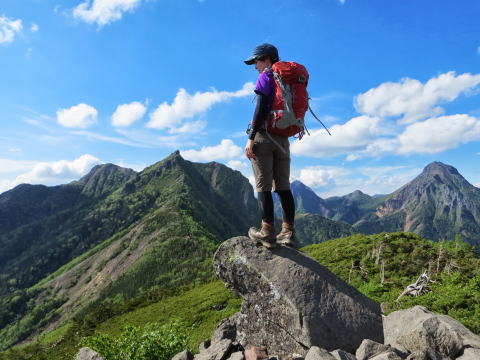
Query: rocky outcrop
(418, 330)
(295, 309)
(291, 302)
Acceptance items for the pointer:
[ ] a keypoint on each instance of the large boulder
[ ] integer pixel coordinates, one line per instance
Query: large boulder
(418, 330)
(292, 303)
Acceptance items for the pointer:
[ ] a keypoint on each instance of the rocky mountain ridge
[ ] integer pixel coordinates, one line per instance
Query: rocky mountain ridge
(438, 204)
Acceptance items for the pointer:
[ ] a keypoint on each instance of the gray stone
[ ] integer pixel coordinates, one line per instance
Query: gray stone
(184, 355)
(369, 348)
(316, 353)
(226, 330)
(204, 345)
(389, 355)
(470, 354)
(342, 355)
(256, 353)
(86, 353)
(237, 356)
(418, 330)
(216, 351)
(291, 302)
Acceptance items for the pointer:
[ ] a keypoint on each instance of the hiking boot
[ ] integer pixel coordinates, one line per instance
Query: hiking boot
(287, 235)
(266, 235)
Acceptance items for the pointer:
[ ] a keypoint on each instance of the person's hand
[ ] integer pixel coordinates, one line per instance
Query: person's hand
(249, 149)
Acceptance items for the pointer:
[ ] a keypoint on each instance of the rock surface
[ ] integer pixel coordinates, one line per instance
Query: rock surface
(369, 349)
(316, 353)
(418, 330)
(86, 353)
(342, 355)
(184, 355)
(291, 302)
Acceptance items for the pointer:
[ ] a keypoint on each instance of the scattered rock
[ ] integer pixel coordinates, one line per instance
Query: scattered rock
(237, 356)
(369, 348)
(342, 355)
(184, 355)
(216, 351)
(226, 330)
(470, 354)
(256, 353)
(418, 330)
(291, 302)
(316, 353)
(86, 353)
(389, 355)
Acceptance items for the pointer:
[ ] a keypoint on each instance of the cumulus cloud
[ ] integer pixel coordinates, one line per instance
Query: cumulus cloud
(127, 114)
(226, 150)
(186, 106)
(51, 173)
(317, 176)
(103, 12)
(438, 134)
(237, 165)
(78, 116)
(412, 100)
(352, 136)
(34, 27)
(9, 29)
(329, 181)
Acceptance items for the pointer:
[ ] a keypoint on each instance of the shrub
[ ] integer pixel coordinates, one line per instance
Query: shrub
(155, 342)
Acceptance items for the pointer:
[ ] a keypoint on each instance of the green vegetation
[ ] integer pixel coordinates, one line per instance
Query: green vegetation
(314, 229)
(153, 343)
(454, 266)
(196, 312)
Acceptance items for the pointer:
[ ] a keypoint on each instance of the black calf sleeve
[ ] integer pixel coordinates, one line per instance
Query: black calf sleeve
(266, 205)
(288, 205)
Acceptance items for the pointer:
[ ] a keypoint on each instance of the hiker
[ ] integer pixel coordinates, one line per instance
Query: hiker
(269, 155)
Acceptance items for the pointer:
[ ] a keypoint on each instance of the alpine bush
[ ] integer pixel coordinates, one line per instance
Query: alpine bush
(154, 342)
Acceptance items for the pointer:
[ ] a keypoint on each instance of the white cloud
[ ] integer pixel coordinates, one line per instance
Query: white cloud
(9, 28)
(94, 136)
(78, 116)
(237, 165)
(103, 12)
(34, 27)
(346, 138)
(438, 134)
(51, 173)
(187, 106)
(127, 114)
(145, 138)
(226, 150)
(318, 176)
(412, 100)
(192, 127)
(329, 181)
(14, 166)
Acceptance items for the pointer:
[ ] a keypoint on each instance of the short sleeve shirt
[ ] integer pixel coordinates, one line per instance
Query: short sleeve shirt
(266, 85)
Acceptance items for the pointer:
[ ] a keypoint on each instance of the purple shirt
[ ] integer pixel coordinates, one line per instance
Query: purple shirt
(266, 85)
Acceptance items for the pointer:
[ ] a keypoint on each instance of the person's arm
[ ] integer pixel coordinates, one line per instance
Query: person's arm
(259, 117)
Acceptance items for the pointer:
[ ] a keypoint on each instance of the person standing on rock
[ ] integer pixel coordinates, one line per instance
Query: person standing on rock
(269, 155)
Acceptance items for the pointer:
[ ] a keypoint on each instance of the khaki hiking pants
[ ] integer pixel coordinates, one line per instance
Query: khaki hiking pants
(271, 165)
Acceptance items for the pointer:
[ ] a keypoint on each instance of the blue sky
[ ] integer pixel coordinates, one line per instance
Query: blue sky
(130, 81)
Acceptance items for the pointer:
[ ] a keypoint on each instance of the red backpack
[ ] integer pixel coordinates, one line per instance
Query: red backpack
(290, 101)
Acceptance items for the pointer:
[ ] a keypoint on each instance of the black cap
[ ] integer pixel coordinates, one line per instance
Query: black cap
(262, 50)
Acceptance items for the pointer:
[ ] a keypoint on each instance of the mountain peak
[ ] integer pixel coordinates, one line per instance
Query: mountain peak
(104, 178)
(439, 168)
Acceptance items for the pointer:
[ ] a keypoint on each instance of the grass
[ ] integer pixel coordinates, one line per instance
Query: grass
(198, 310)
